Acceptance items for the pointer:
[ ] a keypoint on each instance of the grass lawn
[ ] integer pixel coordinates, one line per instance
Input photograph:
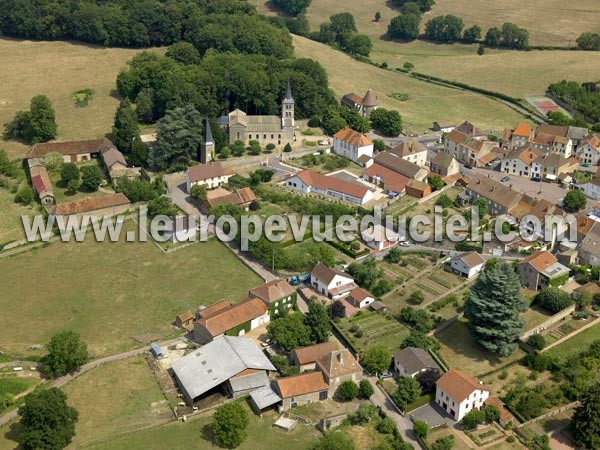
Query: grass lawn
(196, 434)
(461, 352)
(16, 385)
(11, 228)
(104, 300)
(577, 343)
(58, 69)
(441, 432)
(533, 317)
(376, 329)
(427, 102)
(63, 195)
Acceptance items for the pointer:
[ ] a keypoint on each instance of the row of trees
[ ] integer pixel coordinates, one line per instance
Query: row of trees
(589, 41)
(341, 31)
(584, 98)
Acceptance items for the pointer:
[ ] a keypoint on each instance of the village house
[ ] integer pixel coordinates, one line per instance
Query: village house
(551, 166)
(519, 161)
(116, 166)
(212, 175)
(233, 320)
(364, 105)
(278, 295)
(549, 143)
(411, 151)
(589, 250)
(104, 206)
(302, 389)
(330, 282)
(352, 144)
(71, 151)
(467, 264)
(501, 198)
(305, 358)
(400, 166)
(309, 181)
(390, 181)
(411, 361)
(444, 165)
(241, 197)
(541, 270)
(445, 126)
(42, 184)
(470, 130)
(575, 134)
(234, 364)
(517, 138)
(459, 393)
(379, 237)
(588, 151)
(278, 130)
(359, 298)
(339, 366)
(467, 149)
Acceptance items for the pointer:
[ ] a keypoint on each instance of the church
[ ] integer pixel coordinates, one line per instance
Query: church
(278, 130)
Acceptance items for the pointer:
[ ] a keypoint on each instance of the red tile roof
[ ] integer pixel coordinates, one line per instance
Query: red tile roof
(392, 180)
(522, 129)
(90, 204)
(273, 290)
(234, 315)
(540, 260)
(311, 353)
(320, 181)
(301, 384)
(459, 385)
(68, 148)
(352, 137)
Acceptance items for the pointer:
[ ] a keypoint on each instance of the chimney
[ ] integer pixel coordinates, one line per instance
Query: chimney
(339, 357)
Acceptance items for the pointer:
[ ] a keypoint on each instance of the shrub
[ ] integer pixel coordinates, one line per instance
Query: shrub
(553, 299)
(365, 389)
(416, 297)
(537, 341)
(472, 419)
(386, 426)
(348, 390)
(421, 429)
(313, 122)
(24, 195)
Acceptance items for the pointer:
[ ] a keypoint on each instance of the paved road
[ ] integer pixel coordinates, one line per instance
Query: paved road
(548, 191)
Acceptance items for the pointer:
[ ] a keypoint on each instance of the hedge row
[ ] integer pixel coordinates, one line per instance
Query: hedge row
(346, 251)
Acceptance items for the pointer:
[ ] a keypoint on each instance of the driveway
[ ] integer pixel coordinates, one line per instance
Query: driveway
(536, 189)
(432, 415)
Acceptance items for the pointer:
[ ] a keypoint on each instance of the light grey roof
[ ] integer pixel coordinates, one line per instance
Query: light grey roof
(414, 359)
(576, 132)
(264, 397)
(247, 382)
(112, 156)
(208, 138)
(216, 362)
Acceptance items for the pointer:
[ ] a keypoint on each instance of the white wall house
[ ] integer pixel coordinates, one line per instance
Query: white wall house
(467, 264)
(309, 181)
(380, 237)
(352, 144)
(589, 151)
(360, 298)
(211, 175)
(459, 393)
(330, 282)
(591, 188)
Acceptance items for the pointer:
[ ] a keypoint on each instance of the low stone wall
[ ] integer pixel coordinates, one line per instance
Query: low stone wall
(551, 321)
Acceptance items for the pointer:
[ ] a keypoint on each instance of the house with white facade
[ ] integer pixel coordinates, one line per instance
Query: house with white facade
(352, 144)
(309, 181)
(519, 161)
(330, 282)
(467, 264)
(212, 175)
(459, 393)
(411, 151)
(588, 151)
(360, 298)
(591, 188)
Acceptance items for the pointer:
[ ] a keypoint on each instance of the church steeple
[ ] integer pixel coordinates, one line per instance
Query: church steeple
(287, 107)
(288, 92)
(207, 147)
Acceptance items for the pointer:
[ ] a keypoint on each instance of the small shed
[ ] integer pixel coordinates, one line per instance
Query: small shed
(156, 351)
(378, 306)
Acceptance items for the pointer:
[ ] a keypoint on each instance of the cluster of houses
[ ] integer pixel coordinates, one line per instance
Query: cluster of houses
(79, 151)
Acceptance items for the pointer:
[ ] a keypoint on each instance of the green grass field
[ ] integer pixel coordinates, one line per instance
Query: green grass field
(461, 352)
(92, 288)
(58, 69)
(427, 102)
(376, 329)
(10, 217)
(196, 434)
(577, 343)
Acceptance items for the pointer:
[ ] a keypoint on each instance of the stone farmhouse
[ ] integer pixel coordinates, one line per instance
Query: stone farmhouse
(42, 184)
(107, 205)
(444, 165)
(278, 130)
(411, 151)
(305, 358)
(212, 175)
(241, 197)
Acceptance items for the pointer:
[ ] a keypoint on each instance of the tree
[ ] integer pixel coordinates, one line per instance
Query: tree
(355, 120)
(585, 425)
(317, 320)
(24, 195)
(492, 413)
(405, 27)
(387, 426)
(493, 307)
(144, 106)
(139, 153)
(574, 201)
(42, 120)
(472, 34)
(198, 193)
(446, 28)
(420, 340)
(91, 177)
(66, 352)
(359, 44)
(336, 440)
(388, 122)
(229, 424)
(444, 443)
(292, 7)
(342, 24)
(421, 429)
(537, 341)
(481, 50)
(416, 297)
(407, 392)
(411, 8)
(74, 185)
(427, 379)
(287, 148)
(436, 182)
(69, 172)
(376, 359)
(394, 255)
(183, 53)
(514, 36)
(589, 41)
(377, 16)
(161, 206)
(365, 389)
(126, 127)
(424, 5)
(493, 37)
(290, 331)
(473, 418)
(47, 422)
(483, 206)
(553, 299)
(378, 145)
(179, 134)
(348, 390)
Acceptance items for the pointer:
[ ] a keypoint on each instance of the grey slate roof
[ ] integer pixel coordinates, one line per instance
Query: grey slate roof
(252, 381)
(414, 359)
(217, 362)
(264, 397)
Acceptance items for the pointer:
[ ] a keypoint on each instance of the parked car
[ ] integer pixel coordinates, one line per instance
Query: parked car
(536, 178)
(385, 375)
(468, 166)
(505, 179)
